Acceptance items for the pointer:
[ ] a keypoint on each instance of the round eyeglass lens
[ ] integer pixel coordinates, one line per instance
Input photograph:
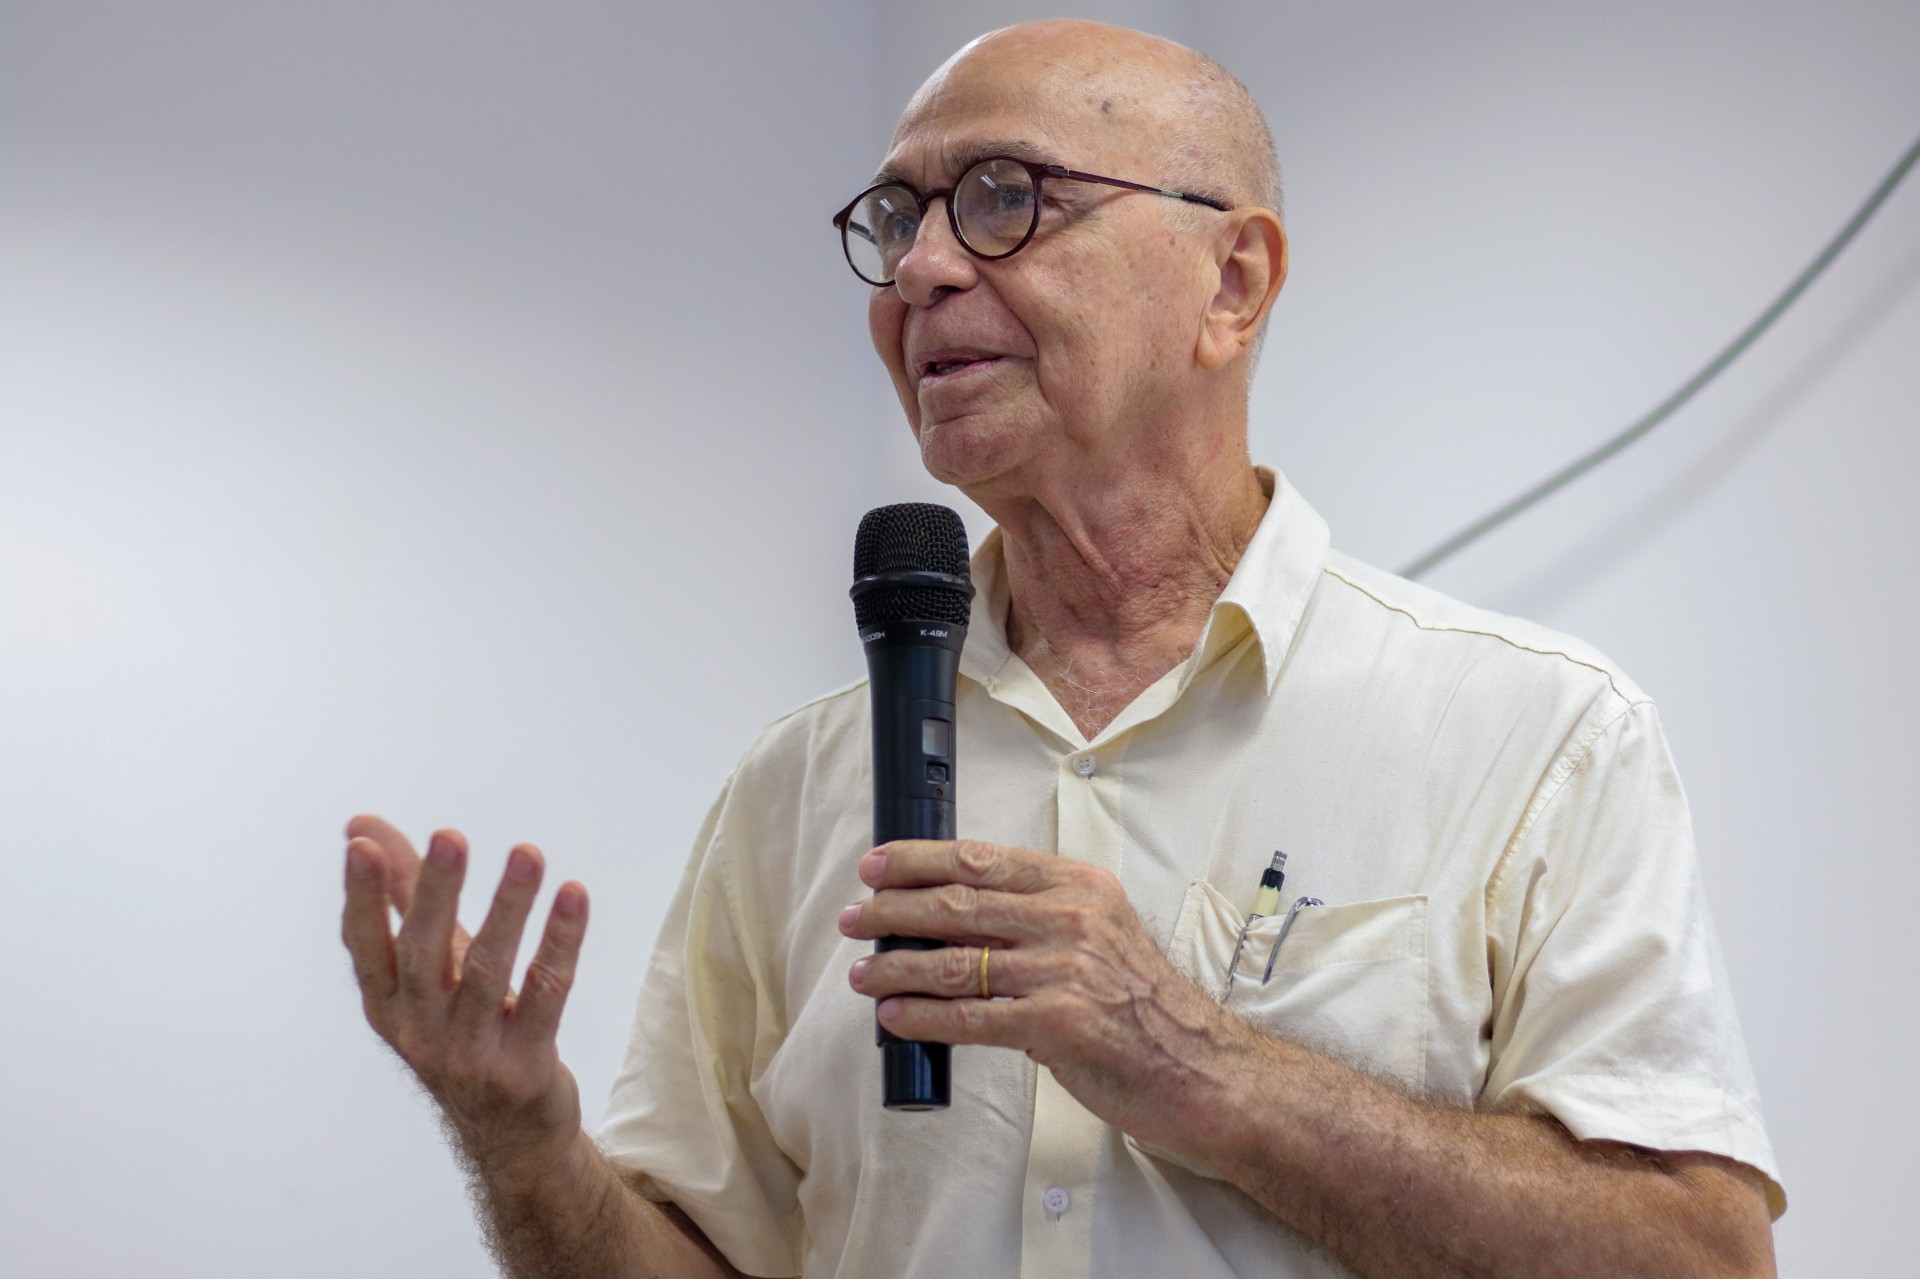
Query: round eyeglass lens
(880, 230)
(995, 208)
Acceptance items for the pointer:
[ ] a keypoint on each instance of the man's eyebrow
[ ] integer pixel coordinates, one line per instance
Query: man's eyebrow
(963, 156)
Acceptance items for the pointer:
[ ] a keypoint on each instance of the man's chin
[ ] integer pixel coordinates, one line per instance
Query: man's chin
(970, 451)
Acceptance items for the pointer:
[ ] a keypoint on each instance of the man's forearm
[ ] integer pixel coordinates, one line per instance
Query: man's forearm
(1397, 1189)
(1393, 1188)
(574, 1218)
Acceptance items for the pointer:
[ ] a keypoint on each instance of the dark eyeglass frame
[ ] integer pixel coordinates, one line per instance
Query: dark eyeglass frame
(1037, 172)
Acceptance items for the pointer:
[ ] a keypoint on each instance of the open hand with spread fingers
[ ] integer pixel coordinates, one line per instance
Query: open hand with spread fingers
(443, 1000)
(1048, 956)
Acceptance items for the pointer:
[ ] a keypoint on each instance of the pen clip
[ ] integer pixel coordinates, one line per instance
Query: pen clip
(1226, 991)
(1286, 927)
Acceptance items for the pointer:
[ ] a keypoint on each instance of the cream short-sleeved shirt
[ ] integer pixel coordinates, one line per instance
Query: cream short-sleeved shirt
(1512, 919)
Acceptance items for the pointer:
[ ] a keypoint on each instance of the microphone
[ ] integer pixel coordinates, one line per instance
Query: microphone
(911, 601)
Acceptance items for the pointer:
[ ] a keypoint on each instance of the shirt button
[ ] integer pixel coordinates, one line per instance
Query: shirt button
(1055, 1200)
(1084, 767)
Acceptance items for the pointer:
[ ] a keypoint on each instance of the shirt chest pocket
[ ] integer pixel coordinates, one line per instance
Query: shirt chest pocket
(1349, 981)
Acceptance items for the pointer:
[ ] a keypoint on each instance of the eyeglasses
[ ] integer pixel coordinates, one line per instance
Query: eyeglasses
(994, 210)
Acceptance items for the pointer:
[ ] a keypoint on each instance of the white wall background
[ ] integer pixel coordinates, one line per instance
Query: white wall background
(391, 397)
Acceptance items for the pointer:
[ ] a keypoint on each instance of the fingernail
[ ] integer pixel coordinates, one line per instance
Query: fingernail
(860, 967)
(520, 864)
(443, 853)
(359, 865)
(570, 900)
(873, 866)
(850, 915)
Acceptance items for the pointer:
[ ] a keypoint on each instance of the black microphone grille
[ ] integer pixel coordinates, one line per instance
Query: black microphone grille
(911, 537)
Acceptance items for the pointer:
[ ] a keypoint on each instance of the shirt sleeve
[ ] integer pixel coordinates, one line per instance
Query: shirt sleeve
(1612, 1011)
(681, 1114)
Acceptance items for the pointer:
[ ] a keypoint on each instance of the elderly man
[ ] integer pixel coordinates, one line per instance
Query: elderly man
(1501, 1045)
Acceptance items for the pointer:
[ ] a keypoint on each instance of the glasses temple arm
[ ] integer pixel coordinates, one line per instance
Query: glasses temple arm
(1057, 171)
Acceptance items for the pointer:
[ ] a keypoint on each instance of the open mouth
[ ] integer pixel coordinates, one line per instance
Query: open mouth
(955, 364)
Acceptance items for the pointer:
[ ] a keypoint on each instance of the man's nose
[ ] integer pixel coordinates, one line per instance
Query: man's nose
(936, 263)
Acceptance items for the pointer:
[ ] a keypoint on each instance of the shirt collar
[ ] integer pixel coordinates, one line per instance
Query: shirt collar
(1276, 576)
(1268, 591)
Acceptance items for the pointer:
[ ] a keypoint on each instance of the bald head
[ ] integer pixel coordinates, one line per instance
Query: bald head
(1197, 123)
(1119, 337)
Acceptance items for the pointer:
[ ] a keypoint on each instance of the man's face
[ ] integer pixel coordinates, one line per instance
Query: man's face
(1066, 347)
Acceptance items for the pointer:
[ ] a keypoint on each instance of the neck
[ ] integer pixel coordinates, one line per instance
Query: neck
(1113, 576)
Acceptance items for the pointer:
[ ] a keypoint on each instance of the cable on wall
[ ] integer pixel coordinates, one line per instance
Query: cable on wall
(1691, 387)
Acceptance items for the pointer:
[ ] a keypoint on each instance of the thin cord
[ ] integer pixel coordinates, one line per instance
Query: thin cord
(1667, 407)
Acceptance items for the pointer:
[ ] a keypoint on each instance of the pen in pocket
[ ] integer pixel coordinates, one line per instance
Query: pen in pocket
(1265, 901)
(1286, 926)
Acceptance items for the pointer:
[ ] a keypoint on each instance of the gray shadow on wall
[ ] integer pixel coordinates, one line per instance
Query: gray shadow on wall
(1564, 575)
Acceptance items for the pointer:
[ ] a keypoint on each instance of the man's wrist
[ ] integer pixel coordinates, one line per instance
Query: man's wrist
(518, 1168)
(1232, 1084)
(1252, 1085)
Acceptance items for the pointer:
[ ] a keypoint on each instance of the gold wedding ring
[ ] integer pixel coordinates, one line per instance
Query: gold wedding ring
(985, 993)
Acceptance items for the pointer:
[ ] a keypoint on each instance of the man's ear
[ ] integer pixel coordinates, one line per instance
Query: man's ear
(1250, 260)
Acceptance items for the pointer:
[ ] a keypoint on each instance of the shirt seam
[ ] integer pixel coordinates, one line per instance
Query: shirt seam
(721, 860)
(1508, 640)
(1558, 773)
(812, 702)
(759, 977)
(1564, 764)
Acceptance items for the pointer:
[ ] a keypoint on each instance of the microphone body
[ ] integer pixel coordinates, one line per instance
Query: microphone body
(912, 610)
(913, 670)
